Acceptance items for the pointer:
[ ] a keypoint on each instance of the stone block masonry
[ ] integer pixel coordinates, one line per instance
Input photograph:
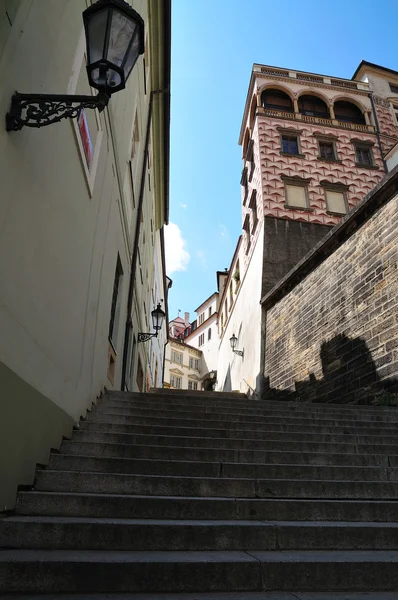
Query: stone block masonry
(332, 322)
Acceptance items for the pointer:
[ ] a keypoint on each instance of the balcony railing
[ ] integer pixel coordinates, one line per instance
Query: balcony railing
(312, 78)
(280, 114)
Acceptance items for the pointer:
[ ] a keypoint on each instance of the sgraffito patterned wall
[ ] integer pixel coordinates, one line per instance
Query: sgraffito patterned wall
(274, 165)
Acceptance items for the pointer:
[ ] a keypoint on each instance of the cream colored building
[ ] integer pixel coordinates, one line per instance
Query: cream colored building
(204, 335)
(183, 365)
(81, 240)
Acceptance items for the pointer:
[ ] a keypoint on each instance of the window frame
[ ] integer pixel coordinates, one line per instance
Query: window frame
(364, 146)
(246, 228)
(394, 110)
(393, 87)
(335, 187)
(297, 182)
(253, 208)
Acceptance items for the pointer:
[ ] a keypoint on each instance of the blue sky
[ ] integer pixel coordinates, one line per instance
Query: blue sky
(214, 45)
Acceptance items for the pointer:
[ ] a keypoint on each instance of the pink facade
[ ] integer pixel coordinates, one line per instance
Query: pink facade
(278, 109)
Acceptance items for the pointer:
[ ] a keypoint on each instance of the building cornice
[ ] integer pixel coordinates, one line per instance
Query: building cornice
(181, 345)
(303, 78)
(202, 325)
(215, 294)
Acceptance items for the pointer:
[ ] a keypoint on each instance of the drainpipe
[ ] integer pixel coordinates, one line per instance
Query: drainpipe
(378, 132)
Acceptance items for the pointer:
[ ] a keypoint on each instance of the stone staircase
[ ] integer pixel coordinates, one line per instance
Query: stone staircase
(211, 496)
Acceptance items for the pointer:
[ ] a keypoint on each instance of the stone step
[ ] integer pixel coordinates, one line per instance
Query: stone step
(155, 507)
(229, 413)
(190, 400)
(242, 422)
(112, 450)
(247, 403)
(155, 485)
(276, 441)
(220, 469)
(53, 571)
(233, 430)
(295, 595)
(74, 533)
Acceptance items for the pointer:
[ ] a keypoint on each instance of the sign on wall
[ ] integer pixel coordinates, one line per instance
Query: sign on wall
(85, 136)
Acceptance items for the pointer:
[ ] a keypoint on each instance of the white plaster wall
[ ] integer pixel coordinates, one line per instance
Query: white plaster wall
(233, 371)
(61, 229)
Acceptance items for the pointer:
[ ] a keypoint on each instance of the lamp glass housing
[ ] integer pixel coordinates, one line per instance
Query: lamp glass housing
(115, 39)
(157, 318)
(233, 341)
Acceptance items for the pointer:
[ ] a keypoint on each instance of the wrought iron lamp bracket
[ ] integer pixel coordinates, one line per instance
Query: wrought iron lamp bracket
(39, 110)
(238, 352)
(144, 337)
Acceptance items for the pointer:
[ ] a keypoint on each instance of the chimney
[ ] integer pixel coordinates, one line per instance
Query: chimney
(186, 319)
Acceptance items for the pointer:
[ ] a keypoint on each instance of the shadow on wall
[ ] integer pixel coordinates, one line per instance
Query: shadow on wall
(349, 376)
(227, 387)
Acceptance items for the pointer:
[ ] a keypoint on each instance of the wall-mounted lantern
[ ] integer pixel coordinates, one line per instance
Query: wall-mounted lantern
(114, 39)
(158, 316)
(233, 341)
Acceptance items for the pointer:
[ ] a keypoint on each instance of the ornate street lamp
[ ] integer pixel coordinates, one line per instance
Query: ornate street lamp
(158, 316)
(233, 341)
(115, 39)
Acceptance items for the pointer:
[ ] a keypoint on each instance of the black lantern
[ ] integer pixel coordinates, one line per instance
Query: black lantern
(158, 316)
(115, 39)
(233, 341)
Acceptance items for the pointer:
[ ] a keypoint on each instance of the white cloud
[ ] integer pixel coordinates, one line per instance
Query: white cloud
(202, 259)
(183, 205)
(177, 258)
(223, 230)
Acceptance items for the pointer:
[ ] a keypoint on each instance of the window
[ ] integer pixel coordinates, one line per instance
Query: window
(176, 357)
(231, 296)
(394, 88)
(209, 334)
(175, 381)
(246, 228)
(192, 385)
(210, 311)
(190, 362)
(201, 339)
(136, 137)
(276, 100)
(250, 158)
(395, 113)
(335, 197)
(348, 112)
(335, 202)
(243, 182)
(140, 375)
(296, 192)
(289, 144)
(197, 364)
(253, 207)
(363, 154)
(313, 106)
(201, 318)
(327, 150)
(115, 306)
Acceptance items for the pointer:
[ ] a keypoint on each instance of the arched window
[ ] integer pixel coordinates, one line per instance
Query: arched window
(313, 107)
(276, 100)
(348, 112)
